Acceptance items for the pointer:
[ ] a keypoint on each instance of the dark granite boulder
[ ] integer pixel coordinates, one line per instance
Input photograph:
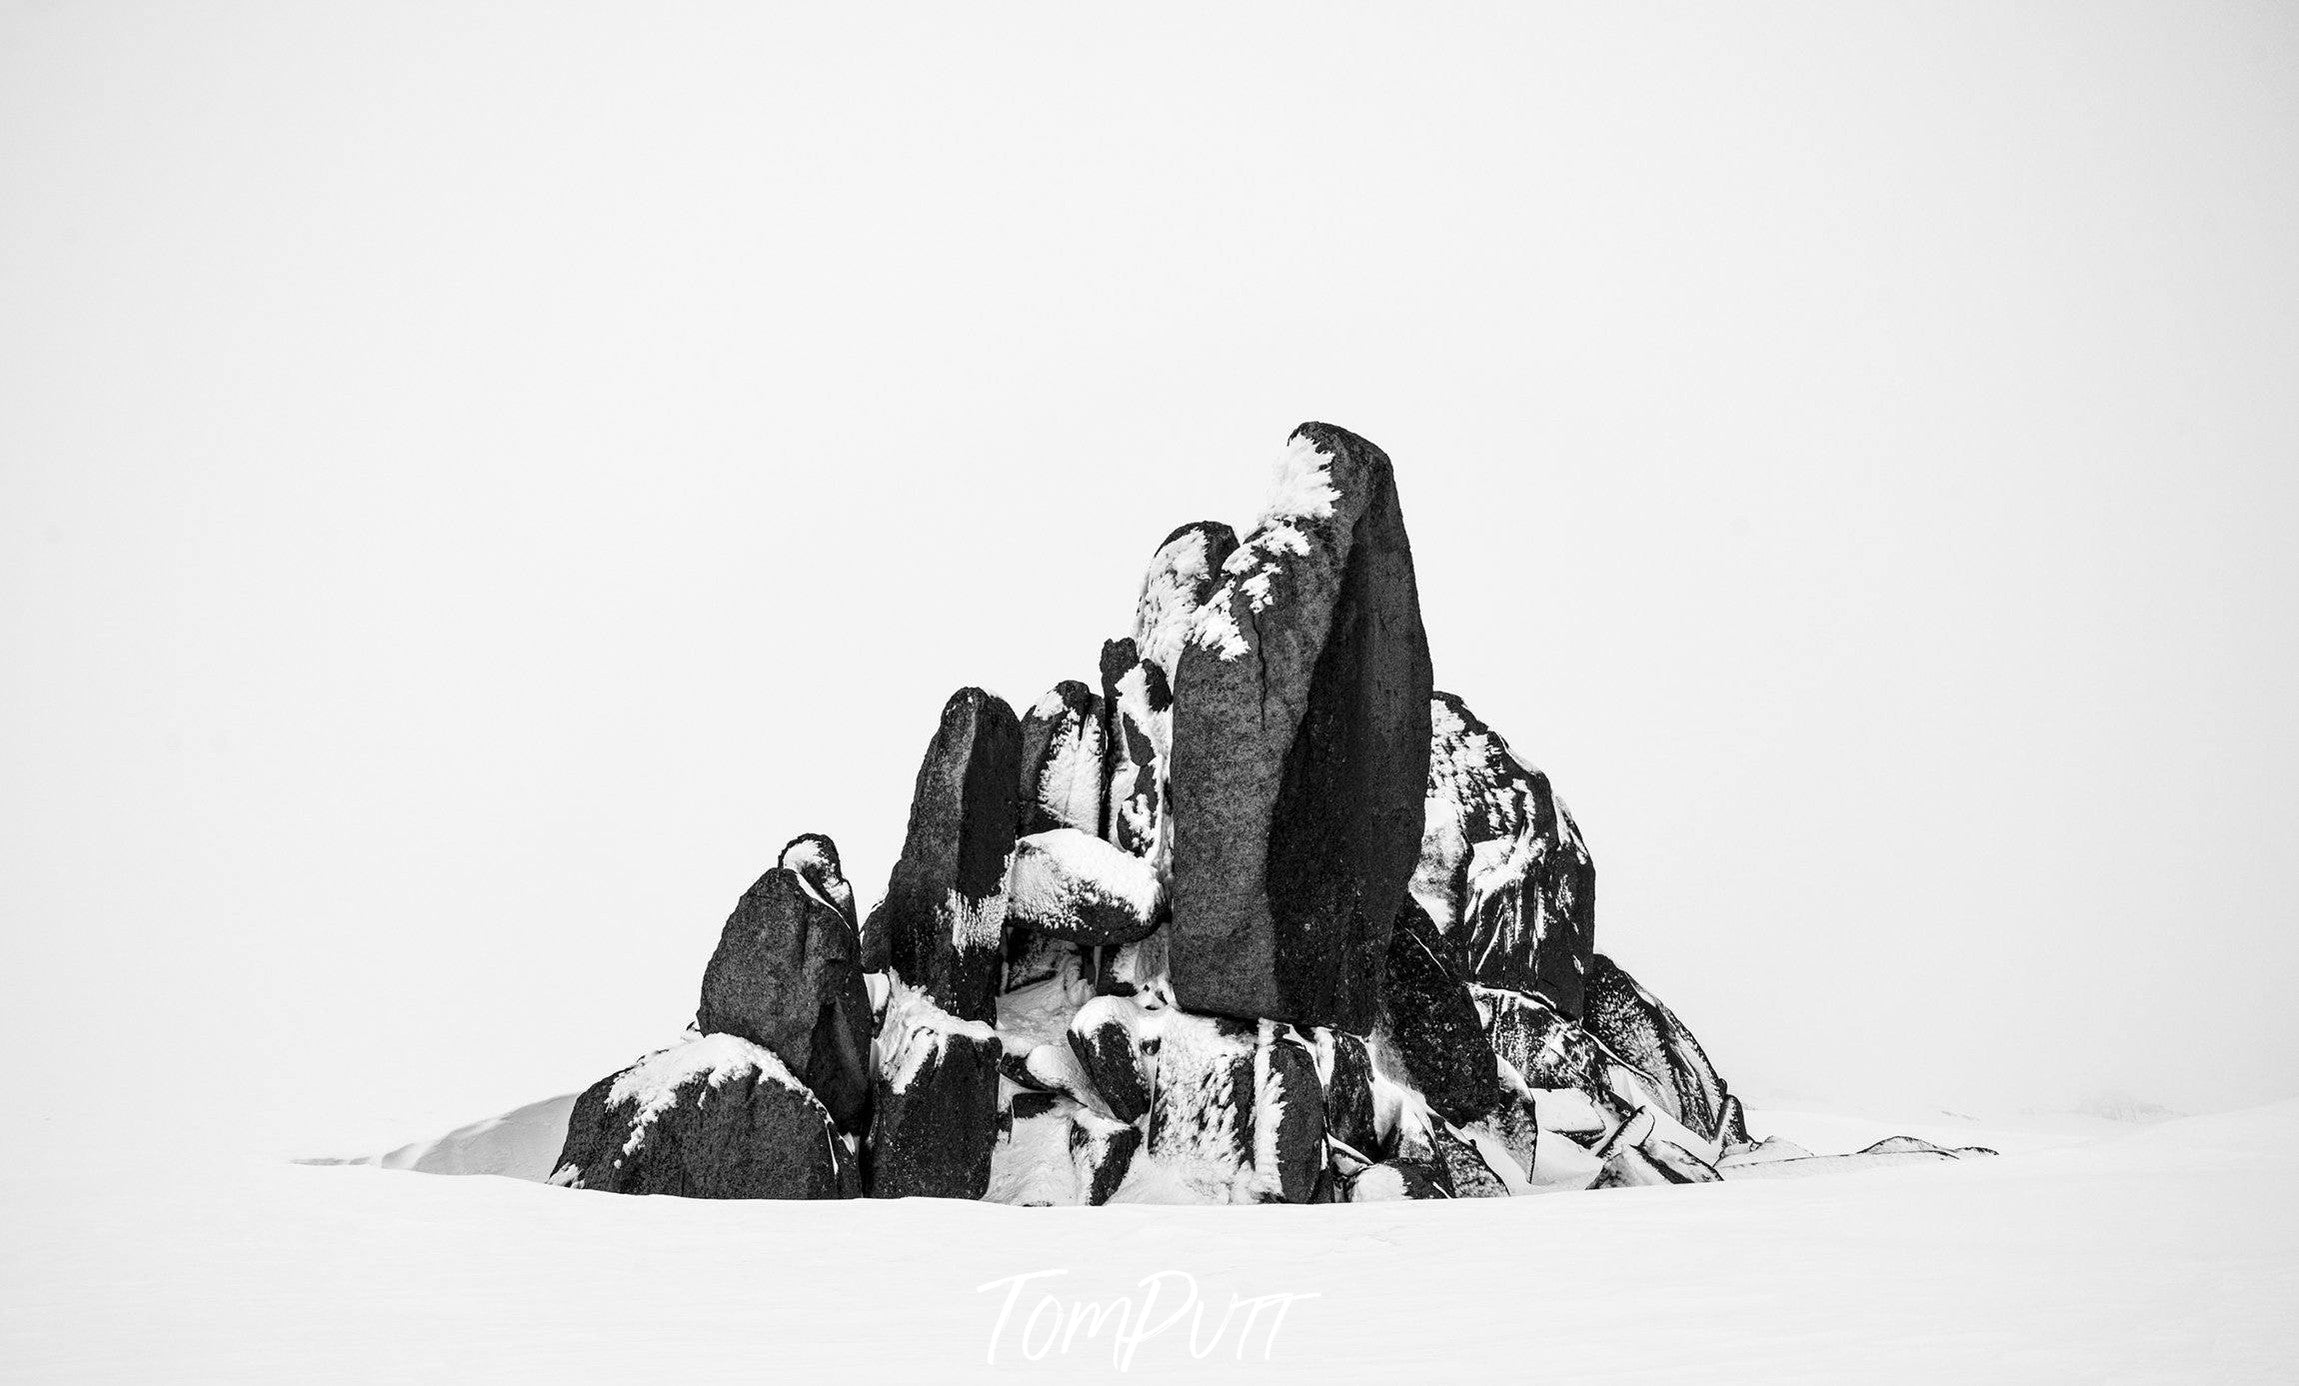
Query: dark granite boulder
(1633, 1024)
(787, 975)
(942, 923)
(1300, 749)
(1064, 761)
(934, 1122)
(717, 1117)
(1503, 869)
(1431, 1017)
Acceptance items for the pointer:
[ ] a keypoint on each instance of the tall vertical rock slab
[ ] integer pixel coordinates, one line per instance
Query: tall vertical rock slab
(942, 923)
(1503, 871)
(1300, 755)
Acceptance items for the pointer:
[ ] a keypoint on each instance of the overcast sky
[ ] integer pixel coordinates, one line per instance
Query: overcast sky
(476, 483)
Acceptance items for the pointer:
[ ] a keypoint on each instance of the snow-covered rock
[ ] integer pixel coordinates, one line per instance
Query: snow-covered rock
(1633, 1024)
(942, 923)
(1065, 775)
(1068, 884)
(1503, 870)
(1300, 749)
(1545, 1048)
(717, 1117)
(1139, 696)
(1182, 575)
(935, 1109)
(1393, 1181)
(815, 858)
(787, 975)
(1233, 1111)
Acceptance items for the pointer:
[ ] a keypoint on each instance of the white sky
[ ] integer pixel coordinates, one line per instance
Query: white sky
(476, 484)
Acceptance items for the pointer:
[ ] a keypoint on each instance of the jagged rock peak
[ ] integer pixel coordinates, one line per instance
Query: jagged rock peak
(1504, 871)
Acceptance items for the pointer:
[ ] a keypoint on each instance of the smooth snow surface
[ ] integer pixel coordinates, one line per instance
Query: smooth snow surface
(2164, 1253)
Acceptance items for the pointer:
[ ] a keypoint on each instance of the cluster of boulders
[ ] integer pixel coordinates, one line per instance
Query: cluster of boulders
(1262, 918)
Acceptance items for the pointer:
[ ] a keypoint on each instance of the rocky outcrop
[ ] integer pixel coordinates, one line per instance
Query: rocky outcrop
(1300, 749)
(942, 924)
(1262, 919)
(1503, 871)
(787, 975)
(719, 1117)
